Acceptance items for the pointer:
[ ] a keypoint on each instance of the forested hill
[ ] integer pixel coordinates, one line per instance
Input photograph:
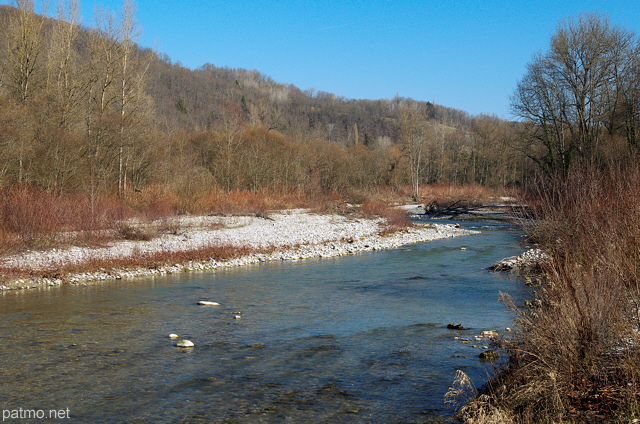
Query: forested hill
(88, 110)
(196, 99)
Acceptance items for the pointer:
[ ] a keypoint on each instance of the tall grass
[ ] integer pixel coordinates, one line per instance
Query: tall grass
(575, 354)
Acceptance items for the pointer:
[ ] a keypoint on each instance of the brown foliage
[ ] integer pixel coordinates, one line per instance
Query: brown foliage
(575, 354)
(149, 260)
(471, 193)
(396, 218)
(245, 202)
(33, 218)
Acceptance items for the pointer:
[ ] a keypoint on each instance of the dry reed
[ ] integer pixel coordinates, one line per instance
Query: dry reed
(575, 352)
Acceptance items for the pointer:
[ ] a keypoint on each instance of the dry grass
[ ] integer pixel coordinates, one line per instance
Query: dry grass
(402, 194)
(31, 218)
(148, 260)
(473, 408)
(576, 349)
(245, 202)
(397, 219)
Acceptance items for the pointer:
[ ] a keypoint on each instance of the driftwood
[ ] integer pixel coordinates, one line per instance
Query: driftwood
(436, 210)
(470, 210)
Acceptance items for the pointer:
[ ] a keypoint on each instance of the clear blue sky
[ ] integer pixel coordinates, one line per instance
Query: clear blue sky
(466, 54)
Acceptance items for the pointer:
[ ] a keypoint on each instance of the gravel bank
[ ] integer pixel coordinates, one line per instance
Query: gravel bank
(529, 262)
(313, 235)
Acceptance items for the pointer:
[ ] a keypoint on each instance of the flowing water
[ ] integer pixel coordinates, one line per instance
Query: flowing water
(353, 339)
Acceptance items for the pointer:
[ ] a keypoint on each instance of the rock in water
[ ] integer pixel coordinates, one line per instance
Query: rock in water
(456, 327)
(208, 303)
(489, 355)
(173, 336)
(185, 343)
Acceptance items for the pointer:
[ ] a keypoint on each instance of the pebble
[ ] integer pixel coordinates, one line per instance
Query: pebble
(316, 236)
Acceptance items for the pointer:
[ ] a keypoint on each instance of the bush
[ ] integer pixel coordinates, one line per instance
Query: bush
(574, 355)
(396, 218)
(32, 218)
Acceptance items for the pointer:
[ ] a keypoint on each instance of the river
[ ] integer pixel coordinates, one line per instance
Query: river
(358, 339)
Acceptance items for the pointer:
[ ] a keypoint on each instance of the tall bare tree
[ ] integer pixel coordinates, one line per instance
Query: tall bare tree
(24, 47)
(413, 136)
(571, 93)
(64, 82)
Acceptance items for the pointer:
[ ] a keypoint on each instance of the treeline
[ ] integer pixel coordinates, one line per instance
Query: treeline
(85, 110)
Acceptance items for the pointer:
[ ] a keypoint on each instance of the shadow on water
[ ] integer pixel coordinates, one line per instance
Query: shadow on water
(352, 339)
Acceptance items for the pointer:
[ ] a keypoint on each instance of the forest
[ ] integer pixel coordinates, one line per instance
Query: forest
(86, 111)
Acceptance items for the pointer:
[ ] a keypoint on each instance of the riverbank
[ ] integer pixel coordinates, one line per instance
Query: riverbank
(575, 345)
(285, 235)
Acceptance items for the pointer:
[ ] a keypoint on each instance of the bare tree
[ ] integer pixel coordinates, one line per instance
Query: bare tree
(119, 104)
(24, 46)
(413, 136)
(572, 92)
(64, 81)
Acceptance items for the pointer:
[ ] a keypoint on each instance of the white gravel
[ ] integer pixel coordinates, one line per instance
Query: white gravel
(528, 262)
(297, 234)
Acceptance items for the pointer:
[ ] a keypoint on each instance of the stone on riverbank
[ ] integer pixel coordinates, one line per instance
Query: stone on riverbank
(489, 355)
(530, 262)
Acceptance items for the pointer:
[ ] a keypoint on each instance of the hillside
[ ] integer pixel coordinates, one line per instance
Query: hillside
(193, 98)
(85, 110)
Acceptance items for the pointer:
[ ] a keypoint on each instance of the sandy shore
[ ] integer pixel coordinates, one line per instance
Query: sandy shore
(296, 234)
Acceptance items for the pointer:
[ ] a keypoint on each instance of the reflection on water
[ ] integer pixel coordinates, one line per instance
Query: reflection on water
(353, 339)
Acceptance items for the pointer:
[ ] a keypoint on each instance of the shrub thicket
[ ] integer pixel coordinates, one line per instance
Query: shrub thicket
(575, 354)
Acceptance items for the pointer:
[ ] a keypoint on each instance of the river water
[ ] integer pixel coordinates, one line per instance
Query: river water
(358, 339)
